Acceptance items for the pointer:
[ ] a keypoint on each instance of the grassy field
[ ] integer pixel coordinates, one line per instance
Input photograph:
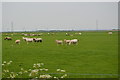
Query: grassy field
(95, 54)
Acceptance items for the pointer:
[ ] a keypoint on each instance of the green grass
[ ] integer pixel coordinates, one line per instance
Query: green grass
(0, 55)
(96, 53)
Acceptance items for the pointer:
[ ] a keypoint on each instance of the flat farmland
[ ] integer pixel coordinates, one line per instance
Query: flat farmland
(95, 56)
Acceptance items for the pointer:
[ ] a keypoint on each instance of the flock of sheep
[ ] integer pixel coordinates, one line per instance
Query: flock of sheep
(67, 42)
(73, 41)
(25, 39)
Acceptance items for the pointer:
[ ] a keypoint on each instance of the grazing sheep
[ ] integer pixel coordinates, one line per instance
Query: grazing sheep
(7, 38)
(71, 35)
(24, 38)
(37, 39)
(80, 33)
(52, 33)
(25, 34)
(22, 34)
(73, 41)
(67, 41)
(59, 41)
(67, 34)
(39, 35)
(17, 41)
(29, 39)
(110, 33)
(6, 34)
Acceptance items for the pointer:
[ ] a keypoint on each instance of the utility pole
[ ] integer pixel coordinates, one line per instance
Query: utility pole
(11, 26)
(97, 25)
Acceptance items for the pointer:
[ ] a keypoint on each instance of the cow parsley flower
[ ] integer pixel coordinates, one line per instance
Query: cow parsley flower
(10, 61)
(20, 72)
(46, 69)
(58, 69)
(4, 62)
(45, 76)
(22, 69)
(62, 70)
(42, 63)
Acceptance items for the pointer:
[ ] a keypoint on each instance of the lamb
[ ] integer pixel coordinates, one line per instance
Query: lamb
(67, 34)
(17, 41)
(59, 41)
(67, 41)
(80, 33)
(37, 39)
(7, 38)
(25, 34)
(110, 33)
(73, 41)
(29, 39)
(24, 38)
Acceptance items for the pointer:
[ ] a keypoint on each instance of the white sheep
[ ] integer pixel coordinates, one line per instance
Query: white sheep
(37, 39)
(110, 33)
(59, 42)
(73, 41)
(24, 38)
(67, 41)
(80, 33)
(17, 41)
(29, 39)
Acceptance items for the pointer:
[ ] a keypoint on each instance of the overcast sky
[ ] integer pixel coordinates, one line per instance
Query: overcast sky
(59, 15)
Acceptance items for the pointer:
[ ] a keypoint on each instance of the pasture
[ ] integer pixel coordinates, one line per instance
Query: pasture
(95, 56)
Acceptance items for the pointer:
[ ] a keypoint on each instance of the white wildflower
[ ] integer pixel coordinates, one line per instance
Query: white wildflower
(34, 64)
(61, 77)
(38, 65)
(29, 70)
(12, 72)
(36, 77)
(6, 70)
(64, 76)
(62, 70)
(45, 76)
(4, 62)
(58, 69)
(10, 61)
(22, 69)
(54, 77)
(30, 74)
(20, 72)
(25, 71)
(46, 69)
(42, 63)
(34, 72)
(41, 69)
(12, 75)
